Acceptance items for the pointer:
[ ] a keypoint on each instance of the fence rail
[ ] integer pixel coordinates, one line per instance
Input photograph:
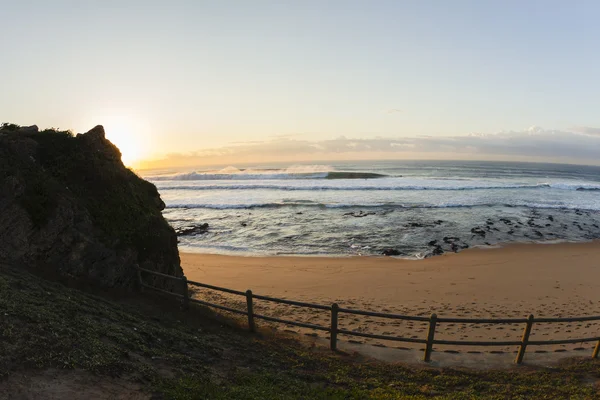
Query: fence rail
(335, 310)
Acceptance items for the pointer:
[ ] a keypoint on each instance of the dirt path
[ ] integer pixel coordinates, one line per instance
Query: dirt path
(56, 384)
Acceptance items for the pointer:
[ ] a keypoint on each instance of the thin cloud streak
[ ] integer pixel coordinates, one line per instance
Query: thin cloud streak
(393, 111)
(587, 130)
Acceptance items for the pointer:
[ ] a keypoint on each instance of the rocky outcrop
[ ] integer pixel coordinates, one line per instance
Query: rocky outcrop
(70, 208)
(391, 252)
(192, 230)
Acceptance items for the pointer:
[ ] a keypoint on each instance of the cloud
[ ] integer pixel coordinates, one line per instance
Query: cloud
(393, 111)
(286, 136)
(587, 130)
(533, 144)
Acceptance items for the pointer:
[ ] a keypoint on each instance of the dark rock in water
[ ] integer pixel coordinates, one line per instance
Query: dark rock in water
(244, 224)
(450, 239)
(69, 209)
(510, 232)
(391, 252)
(550, 218)
(540, 234)
(478, 231)
(192, 230)
(437, 251)
(457, 247)
(299, 213)
(433, 243)
(438, 222)
(359, 214)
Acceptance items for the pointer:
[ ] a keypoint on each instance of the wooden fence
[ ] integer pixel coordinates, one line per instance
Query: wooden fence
(335, 310)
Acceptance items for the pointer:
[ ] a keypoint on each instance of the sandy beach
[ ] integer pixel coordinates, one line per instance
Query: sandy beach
(550, 280)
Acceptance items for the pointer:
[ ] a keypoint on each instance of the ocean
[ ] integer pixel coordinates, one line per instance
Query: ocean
(410, 209)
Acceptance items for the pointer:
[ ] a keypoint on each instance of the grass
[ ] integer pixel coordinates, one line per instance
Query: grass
(177, 355)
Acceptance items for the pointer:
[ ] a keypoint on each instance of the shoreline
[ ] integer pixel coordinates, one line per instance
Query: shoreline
(189, 250)
(557, 280)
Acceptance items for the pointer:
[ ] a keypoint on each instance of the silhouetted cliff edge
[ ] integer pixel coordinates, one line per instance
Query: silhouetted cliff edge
(70, 208)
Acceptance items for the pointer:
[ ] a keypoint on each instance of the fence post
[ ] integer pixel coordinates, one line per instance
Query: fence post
(524, 340)
(139, 276)
(334, 327)
(250, 306)
(596, 350)
(186, 293)
(430, 336)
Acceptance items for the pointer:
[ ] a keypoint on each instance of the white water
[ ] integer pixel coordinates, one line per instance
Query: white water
(310, 210)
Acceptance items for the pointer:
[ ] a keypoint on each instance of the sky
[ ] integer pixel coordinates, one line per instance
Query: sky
(209, 82)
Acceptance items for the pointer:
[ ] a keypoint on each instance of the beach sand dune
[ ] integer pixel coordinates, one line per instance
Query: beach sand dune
(553, 280)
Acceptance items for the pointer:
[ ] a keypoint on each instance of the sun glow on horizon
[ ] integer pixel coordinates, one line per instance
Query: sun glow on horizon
(126, 134)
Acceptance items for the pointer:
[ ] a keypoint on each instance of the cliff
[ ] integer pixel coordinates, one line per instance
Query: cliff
(69, 208)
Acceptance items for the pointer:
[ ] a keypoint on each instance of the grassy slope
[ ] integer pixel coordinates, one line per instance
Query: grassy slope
(188, 356)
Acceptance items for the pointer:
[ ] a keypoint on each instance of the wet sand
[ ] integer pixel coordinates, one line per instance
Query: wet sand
(547, 280)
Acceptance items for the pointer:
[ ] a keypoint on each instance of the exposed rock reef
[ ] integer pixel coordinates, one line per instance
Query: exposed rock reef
(71, 209)
(192, 230)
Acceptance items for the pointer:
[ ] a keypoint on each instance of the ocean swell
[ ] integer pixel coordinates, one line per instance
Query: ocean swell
(384, 184)
(257, 186)
(387, 206)
(293, 172)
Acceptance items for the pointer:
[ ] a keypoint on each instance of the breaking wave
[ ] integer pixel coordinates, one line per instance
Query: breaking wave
(383, 206)
(294, 172)
(396, 185)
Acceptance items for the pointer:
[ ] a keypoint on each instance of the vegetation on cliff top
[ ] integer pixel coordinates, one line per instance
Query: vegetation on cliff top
(177, 355)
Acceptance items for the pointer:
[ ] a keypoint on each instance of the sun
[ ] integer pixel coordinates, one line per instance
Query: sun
(126, 134)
